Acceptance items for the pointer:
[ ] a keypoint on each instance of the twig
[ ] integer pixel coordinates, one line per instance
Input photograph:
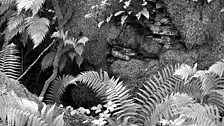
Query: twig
(24, 73)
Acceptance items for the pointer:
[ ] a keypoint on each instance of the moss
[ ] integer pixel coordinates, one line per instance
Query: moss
(177, 56)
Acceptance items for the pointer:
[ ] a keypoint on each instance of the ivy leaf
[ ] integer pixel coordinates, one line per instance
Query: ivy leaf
(79, 49)
(79, 60)
(123, 18)
(83, 40)
(48, 60)
(118, 13)
(62, 62)
(72, 55)
(145, 13)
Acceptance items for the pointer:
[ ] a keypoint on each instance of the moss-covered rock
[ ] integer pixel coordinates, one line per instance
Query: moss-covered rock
(178, 56)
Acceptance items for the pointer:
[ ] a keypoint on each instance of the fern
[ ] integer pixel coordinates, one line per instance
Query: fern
(15, 20)
(34, 5)
(156, 89)
(6, 2)
(10, 62)
(109, 90)
(57, 88)
(20, 112)
(182, 106)
(37, 29)
(217, 68)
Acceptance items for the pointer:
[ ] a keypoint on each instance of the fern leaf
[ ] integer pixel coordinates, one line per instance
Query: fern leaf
(15, 20)
(37, 4)
(185, 71)
(6, 2)
(110, 90)
(202, 115)
(217, 68)
(3, 9)
(57, 88)
(37, 29)
(156, 89)
(10, 61)
(48, 60)
(5, 16)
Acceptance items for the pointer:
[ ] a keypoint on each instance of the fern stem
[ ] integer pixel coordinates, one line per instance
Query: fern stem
(24, 73)
(55, 70)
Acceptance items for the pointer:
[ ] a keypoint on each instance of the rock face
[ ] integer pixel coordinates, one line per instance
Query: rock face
(176, 32)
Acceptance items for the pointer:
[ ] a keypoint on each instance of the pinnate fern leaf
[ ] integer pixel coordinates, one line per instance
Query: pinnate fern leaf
(10, 61)
(34, 5)
(37, 29)
(217, 68)
(110, 90)
(57, 89)
(15, 20)
(6, 2)
(185, 71)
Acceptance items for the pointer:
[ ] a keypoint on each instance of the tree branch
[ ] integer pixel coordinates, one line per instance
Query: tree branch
(24, 73)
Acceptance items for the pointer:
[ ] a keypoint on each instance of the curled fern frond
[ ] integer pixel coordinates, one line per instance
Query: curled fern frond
(57, 88)
(94, 81)
(37, 29)
(109, 90)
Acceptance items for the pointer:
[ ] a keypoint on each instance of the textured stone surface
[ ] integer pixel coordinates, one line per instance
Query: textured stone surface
(178, 56)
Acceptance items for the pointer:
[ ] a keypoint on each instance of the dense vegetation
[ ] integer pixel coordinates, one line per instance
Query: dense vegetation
(177, 95)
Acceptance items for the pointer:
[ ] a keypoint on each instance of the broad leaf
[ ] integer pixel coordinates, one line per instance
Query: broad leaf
(48, 60)
(145, 13)
(79, 60)
(62, 62)
(123, 18)
(79, 49)
(83, 40)
(72, 55)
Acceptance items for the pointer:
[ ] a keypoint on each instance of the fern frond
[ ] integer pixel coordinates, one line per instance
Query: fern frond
(185, 71)
(5, 16)
(3, 9)
(156, 89)
(217, 68)
(37, 29)
(170, 107)
(12, 108)
(34, 5)
(10, 62)
(57, 88)
(93, 80)
(37, 4)
(109, 90)
(15, 20)
(202, 115)
(5, 2)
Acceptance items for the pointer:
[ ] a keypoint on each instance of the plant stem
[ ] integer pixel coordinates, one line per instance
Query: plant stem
(55, 70)
(24, 73)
